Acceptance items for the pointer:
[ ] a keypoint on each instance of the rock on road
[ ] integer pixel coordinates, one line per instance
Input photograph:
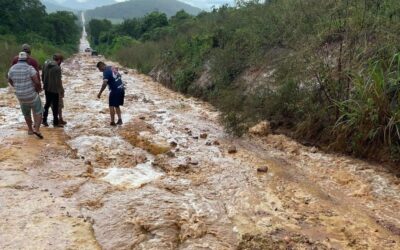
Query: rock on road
(165, 180)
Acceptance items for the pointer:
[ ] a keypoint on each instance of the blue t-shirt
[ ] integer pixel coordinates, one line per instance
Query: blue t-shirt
(113, 78)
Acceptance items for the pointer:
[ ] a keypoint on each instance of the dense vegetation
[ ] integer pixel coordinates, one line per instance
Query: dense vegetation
(26, 21)
(326, 71)
(139, 8)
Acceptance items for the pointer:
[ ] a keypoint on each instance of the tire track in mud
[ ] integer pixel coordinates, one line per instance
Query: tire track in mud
(165, 180)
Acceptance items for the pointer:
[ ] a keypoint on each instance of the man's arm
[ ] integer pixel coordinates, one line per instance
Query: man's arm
(9, 79)
(14, 61)
(103, 87)
(36, 83)
(60, 88)
(11, 82)
(35, 65)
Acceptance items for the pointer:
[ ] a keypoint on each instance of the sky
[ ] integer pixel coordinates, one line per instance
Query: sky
(207, 4)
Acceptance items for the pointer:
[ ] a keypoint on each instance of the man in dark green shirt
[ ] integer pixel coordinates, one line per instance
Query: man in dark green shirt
(52, 84)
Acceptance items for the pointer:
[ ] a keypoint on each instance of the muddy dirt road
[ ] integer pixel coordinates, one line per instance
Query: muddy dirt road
(165, 180)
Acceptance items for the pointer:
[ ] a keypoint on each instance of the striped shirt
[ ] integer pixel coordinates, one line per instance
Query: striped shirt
(21, 74)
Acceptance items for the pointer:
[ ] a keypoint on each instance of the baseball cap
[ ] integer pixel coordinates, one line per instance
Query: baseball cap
(22, 56)
(26, 47)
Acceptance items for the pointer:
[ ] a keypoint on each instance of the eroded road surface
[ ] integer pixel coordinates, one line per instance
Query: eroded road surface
(165, 180)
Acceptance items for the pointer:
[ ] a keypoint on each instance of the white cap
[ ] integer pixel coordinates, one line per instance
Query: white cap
(22, 56)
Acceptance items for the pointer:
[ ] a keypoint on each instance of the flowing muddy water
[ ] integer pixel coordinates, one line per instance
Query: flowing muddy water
(165, 180)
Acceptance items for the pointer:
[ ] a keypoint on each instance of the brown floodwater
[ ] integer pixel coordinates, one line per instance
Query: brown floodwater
(165, 180)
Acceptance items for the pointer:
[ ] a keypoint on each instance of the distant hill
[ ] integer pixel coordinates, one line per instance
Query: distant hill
(139, 8)
(55, 5)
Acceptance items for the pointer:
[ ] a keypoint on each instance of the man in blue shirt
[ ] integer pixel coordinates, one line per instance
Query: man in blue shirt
(112, 79)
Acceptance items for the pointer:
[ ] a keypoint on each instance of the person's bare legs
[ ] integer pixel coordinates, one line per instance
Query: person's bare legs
(112, 114)
(60, 117)
(28, 120)
(118, 113)
(38, 120)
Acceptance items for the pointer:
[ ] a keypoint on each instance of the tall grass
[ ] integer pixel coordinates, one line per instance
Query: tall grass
(370, 119)
(8, 49)
(42, 51)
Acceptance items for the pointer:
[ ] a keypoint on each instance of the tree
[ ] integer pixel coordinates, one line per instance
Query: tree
(63, 27)
(96, 27)
(154, 20)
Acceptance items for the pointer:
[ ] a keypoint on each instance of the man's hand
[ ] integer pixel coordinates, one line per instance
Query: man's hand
(99, 95)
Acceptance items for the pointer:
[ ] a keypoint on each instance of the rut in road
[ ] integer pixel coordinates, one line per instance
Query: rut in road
(165, 180)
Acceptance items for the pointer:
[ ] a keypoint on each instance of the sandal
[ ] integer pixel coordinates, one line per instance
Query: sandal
(39, 135)
(30, 132)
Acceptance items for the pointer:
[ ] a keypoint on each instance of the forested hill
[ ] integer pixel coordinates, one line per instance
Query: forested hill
(139, 8)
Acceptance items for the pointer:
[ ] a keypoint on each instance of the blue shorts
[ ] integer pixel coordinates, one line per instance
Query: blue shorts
(116, 98)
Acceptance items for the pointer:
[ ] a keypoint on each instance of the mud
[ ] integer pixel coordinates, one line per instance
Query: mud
(158, 183)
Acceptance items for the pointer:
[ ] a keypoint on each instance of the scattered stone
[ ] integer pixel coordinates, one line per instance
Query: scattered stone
(261, 129)
(232, 150)
(195, 137)
(208, 143)
(170, 154)
(313, 150)
(88, 163)
(173, 144)
(142, 117)
(216, 143)
(193, 162)
(263, 169)
(204, 136)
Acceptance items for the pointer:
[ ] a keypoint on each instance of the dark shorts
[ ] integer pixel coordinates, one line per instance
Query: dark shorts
(116, 98)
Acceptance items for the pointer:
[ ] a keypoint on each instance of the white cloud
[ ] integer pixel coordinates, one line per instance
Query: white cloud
(208, 4)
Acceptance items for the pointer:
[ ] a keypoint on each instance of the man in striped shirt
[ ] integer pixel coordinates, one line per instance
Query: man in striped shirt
(24, 79)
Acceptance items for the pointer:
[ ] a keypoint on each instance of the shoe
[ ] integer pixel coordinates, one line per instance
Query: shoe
(113, 124)
(58, 125)
(39, 135)
(45, 124)
(63, 122)
(119, 122)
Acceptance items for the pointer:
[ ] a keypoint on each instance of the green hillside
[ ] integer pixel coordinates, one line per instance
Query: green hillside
(325, 72)
(139, 8)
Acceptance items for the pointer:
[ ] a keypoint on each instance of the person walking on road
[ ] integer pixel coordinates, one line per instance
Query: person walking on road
(23, 77)
(54, 90)
(31, 61)
(112, 78)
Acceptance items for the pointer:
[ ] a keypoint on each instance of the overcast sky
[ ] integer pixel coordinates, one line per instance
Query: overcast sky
(207, 4)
